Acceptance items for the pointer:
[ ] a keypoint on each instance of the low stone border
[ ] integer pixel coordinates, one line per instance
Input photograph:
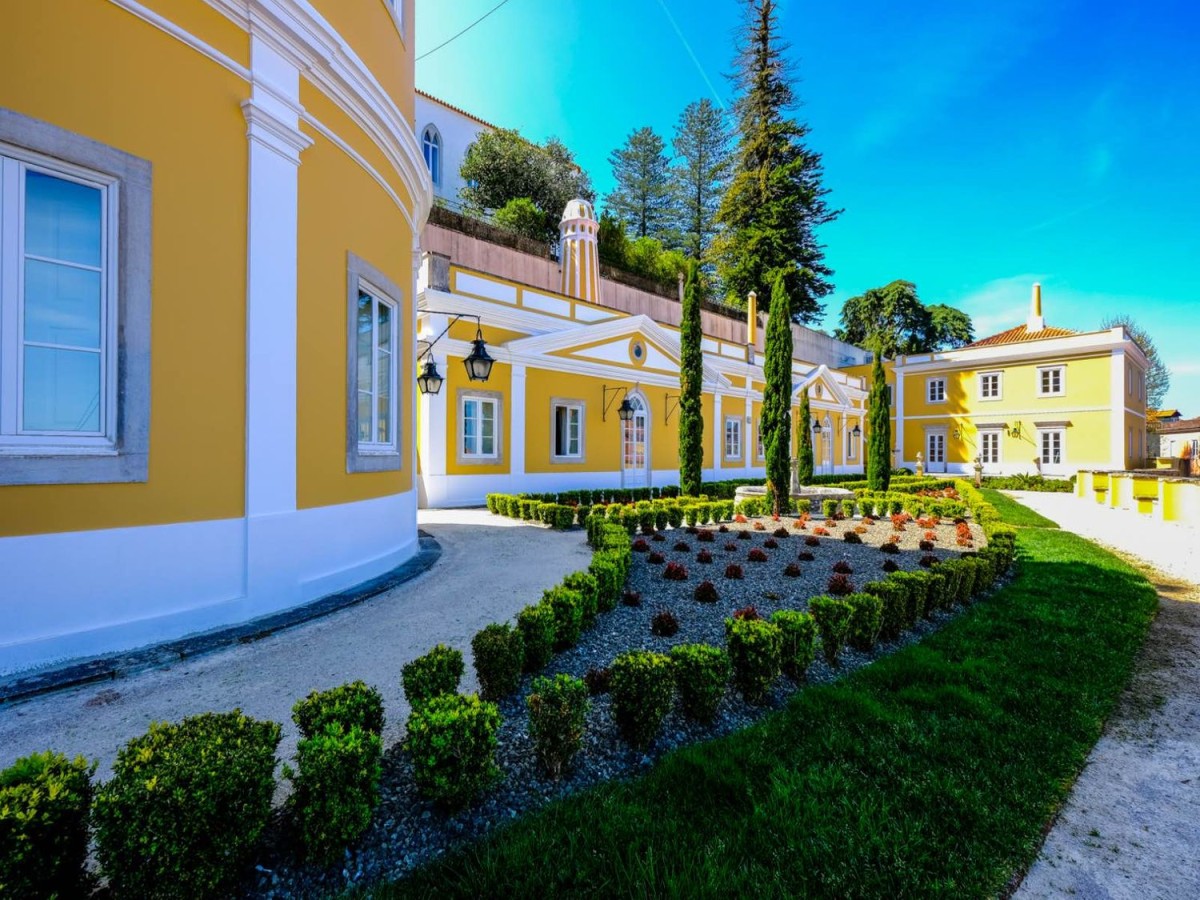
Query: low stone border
(102, 668)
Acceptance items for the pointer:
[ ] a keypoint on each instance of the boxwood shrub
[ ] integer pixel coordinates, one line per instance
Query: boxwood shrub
(798, 633)
(186, 805)
(894, 598)
(350, 705)
(832, 616)
(435, 673)
(588, 587)
(642, 689)
(756, 651)
(499, 655)
(567, 606)
(538, 629)
(452, 743)
(337, 788)
(558, 708)
(45, 800)
(701, 675)
(866, 618)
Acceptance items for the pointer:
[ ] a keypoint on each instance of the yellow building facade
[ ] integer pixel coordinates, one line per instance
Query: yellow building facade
(208, 250)
(571, 348)
(1034, 398)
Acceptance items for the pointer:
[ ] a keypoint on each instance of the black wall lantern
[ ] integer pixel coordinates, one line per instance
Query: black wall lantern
(816, 427)
(478, 363)
(856, 431)
(624, 411)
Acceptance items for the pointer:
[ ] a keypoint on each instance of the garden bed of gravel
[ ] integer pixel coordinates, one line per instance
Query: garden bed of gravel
(408, 830)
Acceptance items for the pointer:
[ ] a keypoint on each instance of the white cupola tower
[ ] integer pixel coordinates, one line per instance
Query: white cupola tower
(579, 251)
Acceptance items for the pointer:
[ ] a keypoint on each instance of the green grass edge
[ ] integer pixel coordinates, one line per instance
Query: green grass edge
(932, 772)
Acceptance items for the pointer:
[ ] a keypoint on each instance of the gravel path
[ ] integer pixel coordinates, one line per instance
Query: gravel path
(490, 568)
(1131, 826)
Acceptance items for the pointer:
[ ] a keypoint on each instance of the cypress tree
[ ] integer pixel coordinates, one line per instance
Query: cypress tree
(879, 430)
(805, 467)
(691, 377)
(776, 422)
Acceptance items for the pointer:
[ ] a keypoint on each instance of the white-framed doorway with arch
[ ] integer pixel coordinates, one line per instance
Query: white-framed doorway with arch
(635, 443)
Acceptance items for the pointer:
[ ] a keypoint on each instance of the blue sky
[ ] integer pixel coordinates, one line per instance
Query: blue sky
(976, 147)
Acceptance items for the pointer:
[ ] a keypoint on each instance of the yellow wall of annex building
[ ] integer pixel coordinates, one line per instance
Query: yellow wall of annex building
(498, 385)
(342, 208)
(91, 79)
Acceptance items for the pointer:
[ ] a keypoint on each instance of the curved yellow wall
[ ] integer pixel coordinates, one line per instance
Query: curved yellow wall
(91, 79)
(371, 31)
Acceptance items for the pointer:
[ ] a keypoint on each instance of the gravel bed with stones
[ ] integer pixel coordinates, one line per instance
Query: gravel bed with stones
(407, 830)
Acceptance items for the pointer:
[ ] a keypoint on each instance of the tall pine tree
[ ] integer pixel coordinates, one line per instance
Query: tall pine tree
(642, 197)
(775, 201)
(691, 377)
(776, 422)
(701, 147)
(879, 429)
(804, 465)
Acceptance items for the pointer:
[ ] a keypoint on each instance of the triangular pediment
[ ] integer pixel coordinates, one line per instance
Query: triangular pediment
(636, 343)
(821, 387)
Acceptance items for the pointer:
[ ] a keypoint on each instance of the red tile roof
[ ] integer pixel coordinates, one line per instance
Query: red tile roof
(457, 109)
(1179, 427)
(1022, 333)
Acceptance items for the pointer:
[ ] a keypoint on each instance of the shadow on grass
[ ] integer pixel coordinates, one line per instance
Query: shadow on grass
(930, 773)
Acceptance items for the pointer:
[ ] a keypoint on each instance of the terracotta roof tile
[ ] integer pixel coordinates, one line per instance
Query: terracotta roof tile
(1179, 427)
(457, 109)
(1022, 333)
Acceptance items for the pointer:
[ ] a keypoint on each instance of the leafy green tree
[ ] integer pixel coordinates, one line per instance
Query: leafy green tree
(1158, 376)
(879, 429)
(614, 245)
(893, 318)
(691, 378)
(521, 215)
(804, 463)
(775, 201)
(701, 147)
(776, 424)
(500, 166)
(949, 328)
(642, 196)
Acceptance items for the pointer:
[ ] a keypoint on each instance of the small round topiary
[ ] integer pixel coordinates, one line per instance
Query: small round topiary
(706, 592)
(655, 558)
(704, 557)
(843, 567)
(791, 570)
(890, 565)
(706, 537)
(839, 586)
(770, 543)
(664, 624)
(928, 561)
(812, 541)
(780, 532)
(639, 546)
(724, 529)
(744, 535)
(598, 680)
(632, 598)
(805, 556)
(675, 572)
(733, 570)
(682, 547)
(889, 547)
(731, 547)
(925, 546)
(851, 537)
(757, 555)
(659, 538)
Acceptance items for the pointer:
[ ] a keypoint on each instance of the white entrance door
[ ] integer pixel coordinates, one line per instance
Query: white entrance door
(635, 446)
(827, 445)
(935, 451)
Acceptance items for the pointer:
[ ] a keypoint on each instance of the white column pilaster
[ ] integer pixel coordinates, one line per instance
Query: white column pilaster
(516, 426)
(1117, 418)
(898, 437)
(718, 435)
(275, 144)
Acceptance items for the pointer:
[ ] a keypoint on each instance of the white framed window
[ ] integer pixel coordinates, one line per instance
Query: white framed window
(990, 384)
(851, 442)
(431, 148)
(74, 308)
(567, 430)
(479, 431)
(989, 447)
(935, 446)
(1052, 381)
(1051, 443)
(935, 390)
(733, 437)
(396, 9)
(372, 370)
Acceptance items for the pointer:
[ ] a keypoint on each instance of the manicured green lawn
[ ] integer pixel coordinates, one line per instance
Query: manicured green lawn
(930, 773)
(1015, 513)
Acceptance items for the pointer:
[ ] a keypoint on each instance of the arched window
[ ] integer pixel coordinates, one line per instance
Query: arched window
(431, 146)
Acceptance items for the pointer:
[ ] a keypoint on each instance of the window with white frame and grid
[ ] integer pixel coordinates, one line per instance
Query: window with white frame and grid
(1051, 447)
(376, 324)
(936, 390)
(989, 447)
(568, 430)
(1050, 381)
(58, 328)
(479, 427)
(733, 437)
(989, 386)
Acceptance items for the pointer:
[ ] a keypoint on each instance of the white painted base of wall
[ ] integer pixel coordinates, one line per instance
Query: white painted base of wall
(446, 491)
(999, 469)
(88, 592)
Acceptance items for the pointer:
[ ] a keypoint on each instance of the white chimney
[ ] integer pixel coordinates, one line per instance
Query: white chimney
(1036, 320)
